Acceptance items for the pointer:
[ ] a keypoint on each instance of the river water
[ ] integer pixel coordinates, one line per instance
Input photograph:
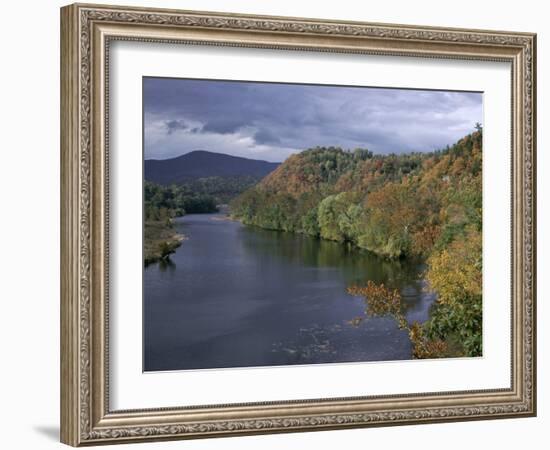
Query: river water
(240, 296)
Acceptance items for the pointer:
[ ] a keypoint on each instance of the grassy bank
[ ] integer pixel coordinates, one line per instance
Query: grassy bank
(160, 241)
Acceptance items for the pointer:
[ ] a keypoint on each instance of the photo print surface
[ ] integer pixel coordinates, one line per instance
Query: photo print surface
(290, 224)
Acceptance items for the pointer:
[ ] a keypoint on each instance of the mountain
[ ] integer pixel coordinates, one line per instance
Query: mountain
(203, 164)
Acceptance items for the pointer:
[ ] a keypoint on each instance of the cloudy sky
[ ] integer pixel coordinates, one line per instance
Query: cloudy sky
(270, 121)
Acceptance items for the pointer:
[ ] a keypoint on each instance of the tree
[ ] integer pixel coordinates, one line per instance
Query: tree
(333, 218)
(455, 273)
(425, 205)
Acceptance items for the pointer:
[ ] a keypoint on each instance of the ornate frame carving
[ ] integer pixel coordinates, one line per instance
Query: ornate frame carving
(86, 31)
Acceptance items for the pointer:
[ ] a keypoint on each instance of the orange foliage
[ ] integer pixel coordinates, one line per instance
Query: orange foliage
(425, 238)
(380, 300)
(383, 301)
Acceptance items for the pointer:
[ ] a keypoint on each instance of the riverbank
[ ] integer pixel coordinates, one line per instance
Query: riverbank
(451, 273)
(160, 240)
(240, 296)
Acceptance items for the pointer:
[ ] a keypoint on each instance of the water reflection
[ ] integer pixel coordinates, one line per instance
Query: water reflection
(312, 252)
(166, 264)
(235, 296)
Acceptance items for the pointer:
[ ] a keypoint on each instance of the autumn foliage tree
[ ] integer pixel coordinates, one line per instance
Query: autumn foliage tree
(415, 205)
(383, 301)
(455, 273)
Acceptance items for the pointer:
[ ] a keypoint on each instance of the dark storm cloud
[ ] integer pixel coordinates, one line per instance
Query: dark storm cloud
(174, 125)
(264, 136)
(271, 120)
(223, 125)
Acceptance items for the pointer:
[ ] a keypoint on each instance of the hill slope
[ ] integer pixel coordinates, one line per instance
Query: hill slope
(417, 205)
(392, 205)
(203, 164)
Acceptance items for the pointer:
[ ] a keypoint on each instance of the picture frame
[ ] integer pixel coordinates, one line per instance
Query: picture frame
(87, 32)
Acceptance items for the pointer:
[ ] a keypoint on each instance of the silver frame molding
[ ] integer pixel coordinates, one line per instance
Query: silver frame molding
(86, 33)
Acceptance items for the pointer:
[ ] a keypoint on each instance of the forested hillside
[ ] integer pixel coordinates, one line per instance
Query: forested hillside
(422, 205)
(203, 164)
(194, 183)
(395, 205)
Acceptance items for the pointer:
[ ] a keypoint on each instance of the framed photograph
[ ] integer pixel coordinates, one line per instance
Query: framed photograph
(276, 224)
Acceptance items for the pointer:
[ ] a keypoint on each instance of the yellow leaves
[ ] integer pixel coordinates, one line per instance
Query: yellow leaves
(458, 167)
(423, 347)
(380, 299)
(383, 301)
(455, 272)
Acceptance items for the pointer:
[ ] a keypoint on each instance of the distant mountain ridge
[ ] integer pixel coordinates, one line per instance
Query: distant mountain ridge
(202, 164)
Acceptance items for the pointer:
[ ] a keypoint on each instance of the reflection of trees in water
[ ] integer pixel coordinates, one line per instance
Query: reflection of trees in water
(166, 264)
(365, 275)
(356, 265)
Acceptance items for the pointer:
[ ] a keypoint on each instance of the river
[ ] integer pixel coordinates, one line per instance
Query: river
(240, 296)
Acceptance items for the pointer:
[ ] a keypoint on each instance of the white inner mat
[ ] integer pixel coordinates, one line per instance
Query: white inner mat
(130, 388)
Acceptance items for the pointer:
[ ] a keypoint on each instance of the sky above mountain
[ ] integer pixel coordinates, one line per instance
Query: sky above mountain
(270, 121)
